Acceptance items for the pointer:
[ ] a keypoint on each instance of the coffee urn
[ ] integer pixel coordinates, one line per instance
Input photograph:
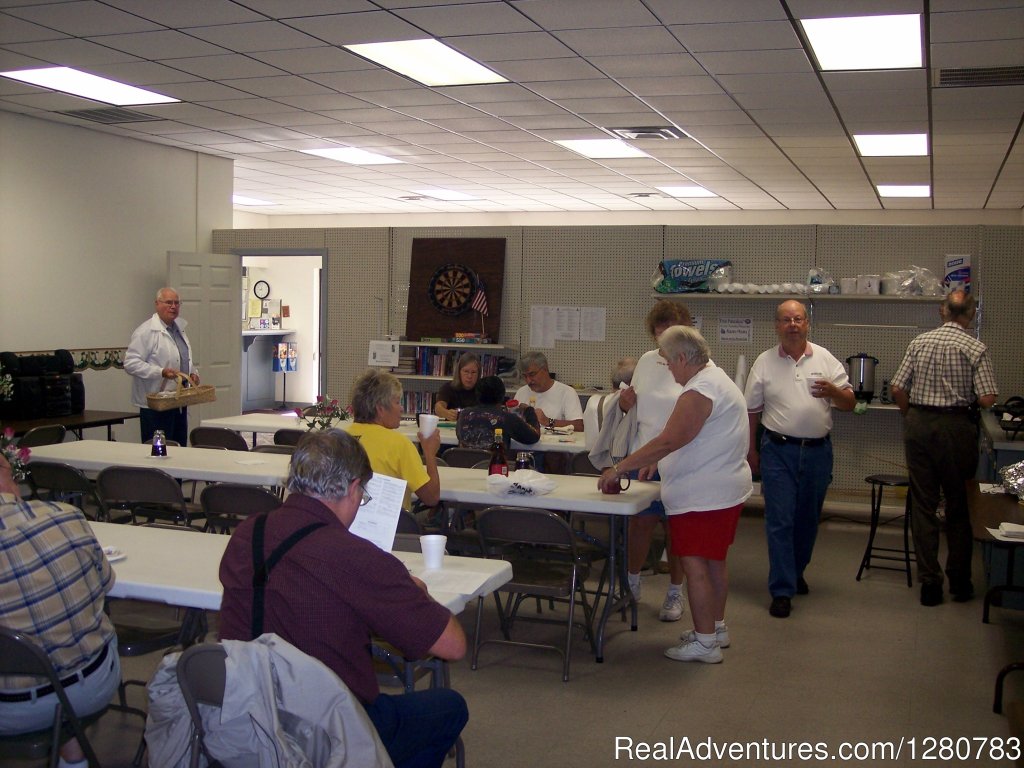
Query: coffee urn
(861, 368)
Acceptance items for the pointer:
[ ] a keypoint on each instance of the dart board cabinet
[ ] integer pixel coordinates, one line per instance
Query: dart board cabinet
(444, 276)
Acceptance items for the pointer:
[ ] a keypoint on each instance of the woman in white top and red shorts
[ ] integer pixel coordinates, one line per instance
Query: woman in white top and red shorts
(701, 456)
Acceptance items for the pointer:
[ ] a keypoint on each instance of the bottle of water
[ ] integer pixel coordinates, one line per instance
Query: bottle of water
(159, 444)
(498, 464)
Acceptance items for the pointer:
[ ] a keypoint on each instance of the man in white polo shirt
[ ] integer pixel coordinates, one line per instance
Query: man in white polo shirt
(791, 390)
(557, 404)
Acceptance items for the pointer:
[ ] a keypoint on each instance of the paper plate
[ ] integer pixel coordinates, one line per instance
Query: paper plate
(114, 554)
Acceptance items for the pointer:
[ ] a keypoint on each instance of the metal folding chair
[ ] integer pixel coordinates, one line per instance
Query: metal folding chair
(19, 655)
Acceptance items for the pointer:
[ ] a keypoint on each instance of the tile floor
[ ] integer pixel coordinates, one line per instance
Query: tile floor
(856, 662)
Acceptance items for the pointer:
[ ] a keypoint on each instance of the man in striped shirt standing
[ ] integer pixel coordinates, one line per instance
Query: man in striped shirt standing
(944, 375)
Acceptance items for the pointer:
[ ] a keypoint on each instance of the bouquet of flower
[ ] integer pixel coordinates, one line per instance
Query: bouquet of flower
(322, 414)
(6, 386)
(16, 457)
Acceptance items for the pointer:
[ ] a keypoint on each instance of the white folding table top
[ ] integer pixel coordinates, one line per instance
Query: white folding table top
(573, 493)
(182, 463)
(268, 423)
(182, 567)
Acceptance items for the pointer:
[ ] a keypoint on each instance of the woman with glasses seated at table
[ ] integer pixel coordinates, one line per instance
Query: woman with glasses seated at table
(377, 411)
(476, 424)
(462, 391)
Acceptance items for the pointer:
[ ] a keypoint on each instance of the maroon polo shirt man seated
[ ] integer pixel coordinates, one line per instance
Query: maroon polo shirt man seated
(331, 592)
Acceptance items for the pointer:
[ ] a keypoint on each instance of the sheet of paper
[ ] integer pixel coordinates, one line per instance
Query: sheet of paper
(736, 329)
(567, 323)
(542, 327)
(592, 323)
(378, 520)
(383, 353)
(255, 307)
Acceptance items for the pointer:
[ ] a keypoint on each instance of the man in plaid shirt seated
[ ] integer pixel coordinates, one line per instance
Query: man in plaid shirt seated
(53, 581)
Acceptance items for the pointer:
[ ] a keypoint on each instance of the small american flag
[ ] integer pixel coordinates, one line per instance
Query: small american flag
(480, 298)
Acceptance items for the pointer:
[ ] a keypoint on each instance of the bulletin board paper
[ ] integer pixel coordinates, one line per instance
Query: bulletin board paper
(736, 330)
(383, 353)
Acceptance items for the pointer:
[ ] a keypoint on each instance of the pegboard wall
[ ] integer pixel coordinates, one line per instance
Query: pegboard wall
(612, 266)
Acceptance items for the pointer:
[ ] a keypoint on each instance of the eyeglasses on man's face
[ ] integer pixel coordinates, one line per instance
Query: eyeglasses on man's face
(367, 498)
(170, 303)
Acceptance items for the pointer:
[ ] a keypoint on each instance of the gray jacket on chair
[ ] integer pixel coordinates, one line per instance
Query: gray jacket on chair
(282, 709)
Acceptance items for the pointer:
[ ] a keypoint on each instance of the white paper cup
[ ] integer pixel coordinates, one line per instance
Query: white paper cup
(428, 423)
(432, 546)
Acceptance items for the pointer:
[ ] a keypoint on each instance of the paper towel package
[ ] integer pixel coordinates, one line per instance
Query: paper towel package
(958, 272)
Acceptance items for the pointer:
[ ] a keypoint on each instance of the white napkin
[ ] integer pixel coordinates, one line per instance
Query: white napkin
(1012, 530)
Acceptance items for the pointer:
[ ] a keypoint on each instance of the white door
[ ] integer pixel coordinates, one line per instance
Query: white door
(210, 287)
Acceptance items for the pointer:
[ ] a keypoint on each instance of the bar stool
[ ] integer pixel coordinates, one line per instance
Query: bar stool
(878, 483)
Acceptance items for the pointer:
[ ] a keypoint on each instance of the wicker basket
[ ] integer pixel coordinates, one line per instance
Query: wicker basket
(182, 397)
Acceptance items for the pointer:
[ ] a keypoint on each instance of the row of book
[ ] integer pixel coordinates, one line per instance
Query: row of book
(425, 361)
(417, 402)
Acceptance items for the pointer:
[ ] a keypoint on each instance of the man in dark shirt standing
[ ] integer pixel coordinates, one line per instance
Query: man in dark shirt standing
(332, 591)
(943, 374)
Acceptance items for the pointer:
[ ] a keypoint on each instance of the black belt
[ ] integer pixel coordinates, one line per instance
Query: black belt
(46, 690)
(803, 442)
(961, 409)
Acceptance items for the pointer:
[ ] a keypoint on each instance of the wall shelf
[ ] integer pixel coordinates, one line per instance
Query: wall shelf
(799, 297)
(455, 345)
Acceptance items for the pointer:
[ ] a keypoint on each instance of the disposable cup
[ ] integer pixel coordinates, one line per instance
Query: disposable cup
(432, 547)
(428, 423)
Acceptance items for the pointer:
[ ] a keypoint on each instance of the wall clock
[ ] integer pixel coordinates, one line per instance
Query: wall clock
(261, 290)
(451, 289)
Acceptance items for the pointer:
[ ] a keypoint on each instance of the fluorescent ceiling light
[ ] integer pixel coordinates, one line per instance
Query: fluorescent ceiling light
(866, 42)
(692, 191)
(242, 200)
(427, 61)
(444, 194)
(352, 155)
(891, 144)
(88, 86)
(905, 190)
(602, 148)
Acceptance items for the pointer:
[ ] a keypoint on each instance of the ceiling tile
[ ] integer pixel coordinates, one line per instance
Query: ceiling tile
(355, 28)
(255, 36)
(82, 19)
(470, 19)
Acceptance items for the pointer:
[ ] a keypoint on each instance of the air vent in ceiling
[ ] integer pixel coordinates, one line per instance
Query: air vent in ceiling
(110, 115)
(643, 195)
(663, 132)
(972, 77)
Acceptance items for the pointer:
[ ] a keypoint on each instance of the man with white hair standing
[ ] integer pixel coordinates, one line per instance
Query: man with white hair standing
(792, 389)
(944, 373)
(160, 350)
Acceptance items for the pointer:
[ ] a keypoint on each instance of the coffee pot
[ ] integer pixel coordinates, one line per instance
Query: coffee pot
(861, 368)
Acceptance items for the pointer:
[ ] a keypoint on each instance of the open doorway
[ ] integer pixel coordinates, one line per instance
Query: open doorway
(282, 320)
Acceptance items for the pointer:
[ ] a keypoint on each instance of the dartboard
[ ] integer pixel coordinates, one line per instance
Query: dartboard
(451, 289)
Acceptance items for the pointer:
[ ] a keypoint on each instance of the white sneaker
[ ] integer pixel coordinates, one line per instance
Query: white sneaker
(721, 635)
(695, 651)
(672, 608)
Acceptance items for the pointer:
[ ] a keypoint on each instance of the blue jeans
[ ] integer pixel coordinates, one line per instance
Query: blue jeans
(174, 423)
(419, 728)
(794, 479)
